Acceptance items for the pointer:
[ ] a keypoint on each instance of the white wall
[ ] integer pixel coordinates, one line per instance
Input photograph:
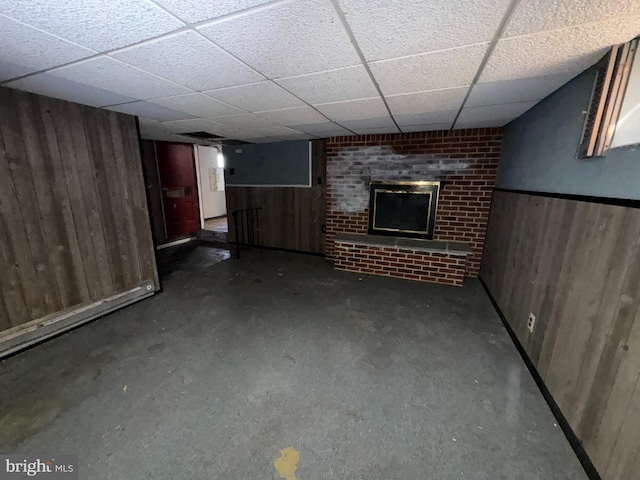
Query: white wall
(213, 202)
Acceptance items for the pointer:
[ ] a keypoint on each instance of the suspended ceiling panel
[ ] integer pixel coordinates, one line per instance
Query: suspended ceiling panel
(541, 15)
(444, 69)
(109, 74)
(194, 11)
(350, 83)
(26, 50)
(270, 70)
(257, 97)
(294, 116)
(208, 66)
(425, 102)
(354, 109)
(198, 105)
(518, 90)
(288, 39)
(97, 24)
(387, 29)
(52, 86)
(150, 110)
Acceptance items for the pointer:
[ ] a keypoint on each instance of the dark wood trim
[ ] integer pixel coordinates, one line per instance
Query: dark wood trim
(145, 177)
(584, 459)
(621, 202)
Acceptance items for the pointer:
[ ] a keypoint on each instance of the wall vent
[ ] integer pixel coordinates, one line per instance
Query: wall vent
(608, 91)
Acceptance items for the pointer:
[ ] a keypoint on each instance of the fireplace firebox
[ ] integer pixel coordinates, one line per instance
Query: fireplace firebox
(403, 208)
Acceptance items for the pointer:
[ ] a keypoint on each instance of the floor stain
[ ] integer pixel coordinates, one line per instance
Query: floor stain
(27, 417)
(287, 463)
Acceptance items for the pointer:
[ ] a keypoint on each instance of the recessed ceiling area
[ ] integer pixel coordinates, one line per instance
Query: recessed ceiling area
(264, 71)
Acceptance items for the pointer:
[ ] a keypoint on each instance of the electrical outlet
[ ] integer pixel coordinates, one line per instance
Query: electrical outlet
(532, 322)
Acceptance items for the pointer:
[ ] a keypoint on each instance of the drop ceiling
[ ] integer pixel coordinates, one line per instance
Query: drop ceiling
(262, 71)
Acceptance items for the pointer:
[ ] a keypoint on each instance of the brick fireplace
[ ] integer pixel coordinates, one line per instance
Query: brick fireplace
(464, 162)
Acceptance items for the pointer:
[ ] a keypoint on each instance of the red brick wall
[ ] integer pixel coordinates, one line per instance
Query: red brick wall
(465, 161)
(401, 263)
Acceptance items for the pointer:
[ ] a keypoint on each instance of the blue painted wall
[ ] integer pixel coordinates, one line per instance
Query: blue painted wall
(539, 150)
(264, 164)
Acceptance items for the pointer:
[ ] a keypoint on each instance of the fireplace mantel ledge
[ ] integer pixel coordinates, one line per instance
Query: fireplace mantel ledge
(449, 248)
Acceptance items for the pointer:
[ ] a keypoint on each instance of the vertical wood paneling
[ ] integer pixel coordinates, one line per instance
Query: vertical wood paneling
(291, 218)
(152, 180)
(576, 265)
(73, 218)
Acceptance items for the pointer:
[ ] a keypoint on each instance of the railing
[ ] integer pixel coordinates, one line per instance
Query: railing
(246, 224)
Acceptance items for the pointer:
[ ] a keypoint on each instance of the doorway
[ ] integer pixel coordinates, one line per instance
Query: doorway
(212, 190)
(179, 190)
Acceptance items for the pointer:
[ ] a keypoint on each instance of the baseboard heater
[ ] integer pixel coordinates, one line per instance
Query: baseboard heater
(23, 336)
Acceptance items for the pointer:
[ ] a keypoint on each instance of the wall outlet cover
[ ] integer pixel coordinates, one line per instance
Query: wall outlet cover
(531, 323)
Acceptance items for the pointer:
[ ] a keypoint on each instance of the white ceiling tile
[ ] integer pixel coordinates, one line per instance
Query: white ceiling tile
(45, 84)
(10, 70)
(289, 39)
(495, 113)
(97, 24)
(109, 74)
(426, 127)
(500, 122)
(378, 130)
(424, 102)
(539, 15)
(293, 116)
(387, 29)
(350, 83)
(150, 111)
(296, 136)
(570, 50)
(152, 130)
(247, 121)
(275, 131)
(27, 50)
(198, 105)
(334, 133)
(354, 109)
(366, 123)
(191, 125)
(190, 60)
(193, 11)
(258, 139)
(519, 90)
(257, 97)
(322, 129)
(445, 69)
(426, 118)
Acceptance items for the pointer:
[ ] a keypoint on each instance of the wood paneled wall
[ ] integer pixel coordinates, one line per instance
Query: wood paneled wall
(74, 227)
(291, 218)
(576, 266)
(154, 191)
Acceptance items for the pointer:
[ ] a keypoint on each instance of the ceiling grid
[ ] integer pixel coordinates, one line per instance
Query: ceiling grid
(269, 70)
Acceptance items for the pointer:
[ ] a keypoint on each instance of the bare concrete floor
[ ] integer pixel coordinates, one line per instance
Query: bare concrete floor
(366, 377)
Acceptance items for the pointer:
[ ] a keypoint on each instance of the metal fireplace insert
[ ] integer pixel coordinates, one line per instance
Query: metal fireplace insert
(403, 208)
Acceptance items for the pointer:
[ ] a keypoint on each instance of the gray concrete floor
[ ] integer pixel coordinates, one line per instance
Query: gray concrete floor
(367, 377)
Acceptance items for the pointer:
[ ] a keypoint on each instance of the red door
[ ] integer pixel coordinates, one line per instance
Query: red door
(179, 194)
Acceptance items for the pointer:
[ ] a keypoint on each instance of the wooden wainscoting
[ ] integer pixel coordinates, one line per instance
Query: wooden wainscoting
(576, 266)
(74, 226)
(291, 217)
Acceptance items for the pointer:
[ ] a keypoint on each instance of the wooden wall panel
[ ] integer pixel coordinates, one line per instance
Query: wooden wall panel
(291, 218)
(73, 211)
(576, 266)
